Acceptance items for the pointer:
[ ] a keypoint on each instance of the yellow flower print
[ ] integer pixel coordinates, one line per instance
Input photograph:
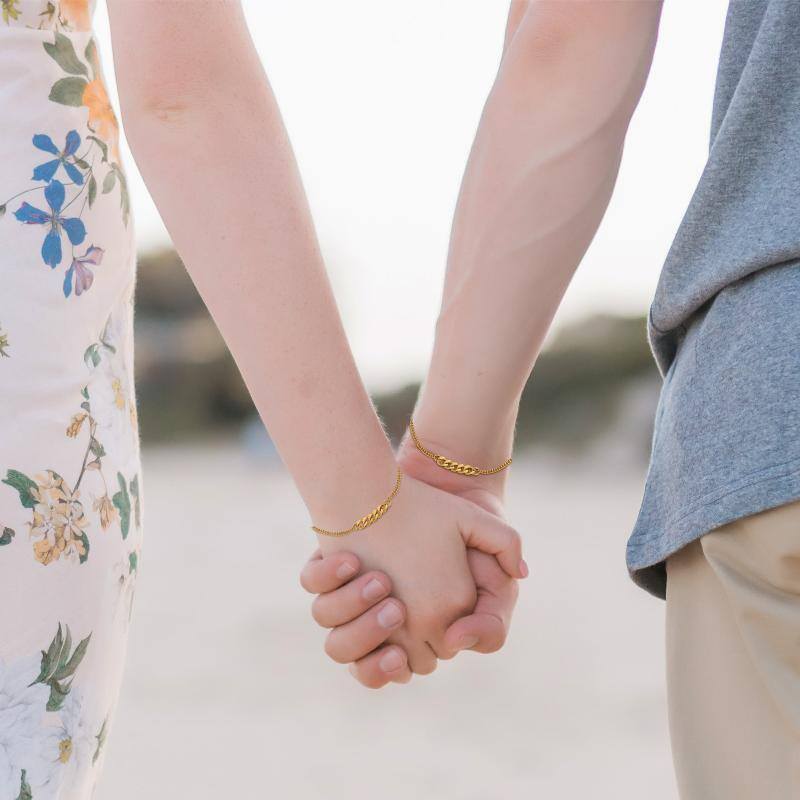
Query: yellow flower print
(119, 396)
(10, 10)
(105, 508)
(76, 423)
(65, 750)
(3, 344)
(59, 525)
(102, 118)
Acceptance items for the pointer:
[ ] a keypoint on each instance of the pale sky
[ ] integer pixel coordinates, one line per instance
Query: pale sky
(381, 100)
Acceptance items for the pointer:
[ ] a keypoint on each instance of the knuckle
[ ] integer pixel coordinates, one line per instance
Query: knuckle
(366, 674)
(305, 580)
(426, 668)
(493, 645)
(371, 681)
(334, 651)
(426, 621)
(463, 603)
(319, 613)
(444, 654)
(514, 539)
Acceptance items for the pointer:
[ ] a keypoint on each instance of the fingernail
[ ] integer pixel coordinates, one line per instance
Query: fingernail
(374, 590)
(391, 661)
(523, 569)
(465, 642)
(390, 616)
(345, 570)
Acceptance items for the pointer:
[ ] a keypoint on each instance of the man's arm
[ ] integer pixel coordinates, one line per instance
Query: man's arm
(536, 186)
(538, 181)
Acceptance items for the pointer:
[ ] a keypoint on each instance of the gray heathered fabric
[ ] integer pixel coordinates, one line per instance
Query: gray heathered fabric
(725, 320)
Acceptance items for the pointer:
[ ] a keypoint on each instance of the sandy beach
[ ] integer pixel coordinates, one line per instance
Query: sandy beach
(228, 693)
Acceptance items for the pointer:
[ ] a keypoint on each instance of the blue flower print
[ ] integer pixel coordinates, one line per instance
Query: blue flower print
(72, 226)
(47, 171)
(84, 277)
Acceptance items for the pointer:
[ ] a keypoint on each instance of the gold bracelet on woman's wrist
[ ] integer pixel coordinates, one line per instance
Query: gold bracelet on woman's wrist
(370, 518)
(453, 466)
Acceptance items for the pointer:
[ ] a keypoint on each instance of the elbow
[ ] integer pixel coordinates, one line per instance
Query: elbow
(550, 30)
(197, 99)
(164, 108)
(583, 60)
(144, 105)
(553, 30)
(164, 116)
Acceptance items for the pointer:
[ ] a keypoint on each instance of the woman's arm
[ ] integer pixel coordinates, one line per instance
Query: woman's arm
(538, 181)
(208, 137)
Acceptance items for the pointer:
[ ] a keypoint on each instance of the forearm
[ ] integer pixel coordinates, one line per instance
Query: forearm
(537, 184)
(212, 148)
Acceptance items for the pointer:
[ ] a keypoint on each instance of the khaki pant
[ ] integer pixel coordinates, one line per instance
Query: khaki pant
(733, 660)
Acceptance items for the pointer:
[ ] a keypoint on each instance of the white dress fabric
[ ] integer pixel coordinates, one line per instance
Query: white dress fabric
(70, 485)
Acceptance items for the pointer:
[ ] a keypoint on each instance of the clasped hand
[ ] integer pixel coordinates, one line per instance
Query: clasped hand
(435, 576)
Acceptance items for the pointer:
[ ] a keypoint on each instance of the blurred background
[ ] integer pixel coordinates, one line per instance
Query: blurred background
(228, 692)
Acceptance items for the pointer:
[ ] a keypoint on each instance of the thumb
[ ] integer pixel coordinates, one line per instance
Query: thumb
(489, 534)
(486, 629)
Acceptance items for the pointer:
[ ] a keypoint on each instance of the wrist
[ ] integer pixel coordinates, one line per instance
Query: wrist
(486, 490)
(467, 431)
(469, 403)
(350, 488)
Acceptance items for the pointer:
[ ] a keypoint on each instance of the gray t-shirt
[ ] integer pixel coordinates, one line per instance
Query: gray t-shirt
(725, 320)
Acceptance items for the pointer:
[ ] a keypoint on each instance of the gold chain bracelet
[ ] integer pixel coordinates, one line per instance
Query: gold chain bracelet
(370, 518)
(453, 466)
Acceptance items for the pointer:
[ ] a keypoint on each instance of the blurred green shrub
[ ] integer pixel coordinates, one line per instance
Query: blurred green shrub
(188, 384)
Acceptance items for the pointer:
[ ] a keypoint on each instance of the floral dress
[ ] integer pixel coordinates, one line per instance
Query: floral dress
(70, 486)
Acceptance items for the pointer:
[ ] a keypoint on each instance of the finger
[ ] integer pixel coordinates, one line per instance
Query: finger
(422, 658)
(355, 639)
(326, 573)
(486, 629)
(491, 535)
(352, 600)
(387, 664)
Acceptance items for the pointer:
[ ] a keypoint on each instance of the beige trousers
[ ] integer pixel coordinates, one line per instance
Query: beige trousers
(733, 660)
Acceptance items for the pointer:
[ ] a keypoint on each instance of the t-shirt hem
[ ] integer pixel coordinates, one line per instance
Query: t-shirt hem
(648, 550)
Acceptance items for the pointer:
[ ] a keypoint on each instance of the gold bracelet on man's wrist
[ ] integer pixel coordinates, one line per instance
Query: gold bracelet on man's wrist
(369, 519)
(453, 466)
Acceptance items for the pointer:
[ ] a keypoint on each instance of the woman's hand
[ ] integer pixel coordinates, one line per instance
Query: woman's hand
(421, 542)
(482, 628)
(375, 662)
(345, 604)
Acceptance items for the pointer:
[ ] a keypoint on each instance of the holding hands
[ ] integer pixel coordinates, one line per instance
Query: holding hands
(436, 573)
(454, 563)
(537, 183)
